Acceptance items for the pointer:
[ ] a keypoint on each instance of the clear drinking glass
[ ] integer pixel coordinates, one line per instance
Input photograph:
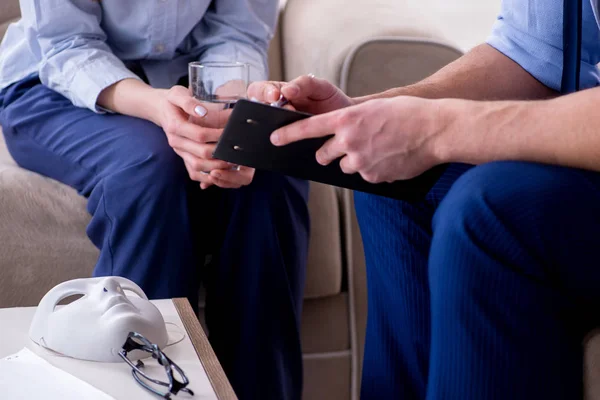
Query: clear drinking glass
(219, 83)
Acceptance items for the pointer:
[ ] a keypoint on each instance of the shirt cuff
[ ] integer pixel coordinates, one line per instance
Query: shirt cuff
(542, 60)
(92, 78)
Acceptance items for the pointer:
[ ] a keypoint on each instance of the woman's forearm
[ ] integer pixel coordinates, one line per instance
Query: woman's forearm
(134, 98)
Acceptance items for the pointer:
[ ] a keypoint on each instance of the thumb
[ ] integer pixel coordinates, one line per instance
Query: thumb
(266, 92)
(307, 86)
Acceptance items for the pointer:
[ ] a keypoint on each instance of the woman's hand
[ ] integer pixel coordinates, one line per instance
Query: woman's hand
(383, 140)
(192, 129)
(306, 93)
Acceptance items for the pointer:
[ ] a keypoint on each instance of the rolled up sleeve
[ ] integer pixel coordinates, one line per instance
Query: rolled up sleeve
(238, 30)
(530, 33)
(75, 58)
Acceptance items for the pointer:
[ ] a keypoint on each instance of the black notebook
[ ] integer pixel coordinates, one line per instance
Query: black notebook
(246, 141)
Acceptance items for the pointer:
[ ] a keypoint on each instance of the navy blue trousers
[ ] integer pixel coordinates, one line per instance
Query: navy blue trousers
(156, 227)
(486, 289)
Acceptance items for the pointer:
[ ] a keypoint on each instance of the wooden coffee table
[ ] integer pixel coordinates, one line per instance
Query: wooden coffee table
(193, 354)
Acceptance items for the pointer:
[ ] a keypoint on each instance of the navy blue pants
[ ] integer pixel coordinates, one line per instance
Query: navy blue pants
(486, 289)
(156, 227)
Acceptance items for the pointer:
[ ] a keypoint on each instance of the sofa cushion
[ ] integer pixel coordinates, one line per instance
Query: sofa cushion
(43, 239)
(326, 324)
(324, 268)
(328, 377)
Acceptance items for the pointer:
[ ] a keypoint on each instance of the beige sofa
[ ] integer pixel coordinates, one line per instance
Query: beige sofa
(362, 47)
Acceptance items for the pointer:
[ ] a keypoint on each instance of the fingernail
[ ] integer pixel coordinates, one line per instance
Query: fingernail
(201, 111)
(254, 99)
(311, 75)
(275, 138)
(217, 174)
(271, 93)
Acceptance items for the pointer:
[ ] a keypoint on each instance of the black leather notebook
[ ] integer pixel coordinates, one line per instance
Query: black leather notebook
(245, 141)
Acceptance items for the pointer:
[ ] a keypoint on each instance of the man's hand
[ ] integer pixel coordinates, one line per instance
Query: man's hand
(306, 93)
(192, 129)
(383, 140)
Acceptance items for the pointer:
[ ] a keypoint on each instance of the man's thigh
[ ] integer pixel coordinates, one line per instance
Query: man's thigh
(45, 133)
(542, 217)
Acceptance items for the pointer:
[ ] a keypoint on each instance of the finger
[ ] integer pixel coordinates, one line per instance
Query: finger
(197, 165)
(329, 152)
(313, 127)
(266, 92)
(199, 150)
(217, 117)
(193, 132)
(231, 179)
(307, 86)
(204, 179)
(375, 174)
(182, 98)
(347, 166)
(202, 113)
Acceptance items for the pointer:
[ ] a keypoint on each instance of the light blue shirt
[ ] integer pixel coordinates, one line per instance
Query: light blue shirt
(80, 47)
(530, 32)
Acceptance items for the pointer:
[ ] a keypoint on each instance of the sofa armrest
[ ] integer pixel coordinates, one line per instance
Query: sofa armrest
(324, 267)
(381, 63)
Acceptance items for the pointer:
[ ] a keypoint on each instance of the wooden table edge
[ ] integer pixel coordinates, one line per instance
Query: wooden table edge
(204, 351)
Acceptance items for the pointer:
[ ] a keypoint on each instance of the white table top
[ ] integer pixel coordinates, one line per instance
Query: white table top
(112, 378)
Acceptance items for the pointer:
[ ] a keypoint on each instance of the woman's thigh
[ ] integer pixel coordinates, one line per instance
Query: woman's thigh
(46, 134)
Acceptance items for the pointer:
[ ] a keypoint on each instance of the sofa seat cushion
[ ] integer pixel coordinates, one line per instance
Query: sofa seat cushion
(326, 324)
(42, 235)
(43, 239)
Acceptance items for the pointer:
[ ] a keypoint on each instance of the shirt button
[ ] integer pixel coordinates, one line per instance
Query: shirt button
(159, 48)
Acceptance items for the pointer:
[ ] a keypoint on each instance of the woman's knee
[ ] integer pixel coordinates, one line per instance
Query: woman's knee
(145, 169)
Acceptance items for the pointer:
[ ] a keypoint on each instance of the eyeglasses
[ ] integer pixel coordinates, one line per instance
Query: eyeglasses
(136, 341)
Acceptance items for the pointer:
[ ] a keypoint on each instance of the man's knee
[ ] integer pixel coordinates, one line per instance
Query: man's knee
(491, 217)
(508, 194)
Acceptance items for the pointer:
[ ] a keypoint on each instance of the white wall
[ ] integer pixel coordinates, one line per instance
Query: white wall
(319, 33)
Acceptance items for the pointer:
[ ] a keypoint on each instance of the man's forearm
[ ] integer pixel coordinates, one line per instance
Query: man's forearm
(563, 131)
(131, 97)
(482, 74)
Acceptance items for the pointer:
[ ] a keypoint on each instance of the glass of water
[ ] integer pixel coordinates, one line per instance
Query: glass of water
(219, 83)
